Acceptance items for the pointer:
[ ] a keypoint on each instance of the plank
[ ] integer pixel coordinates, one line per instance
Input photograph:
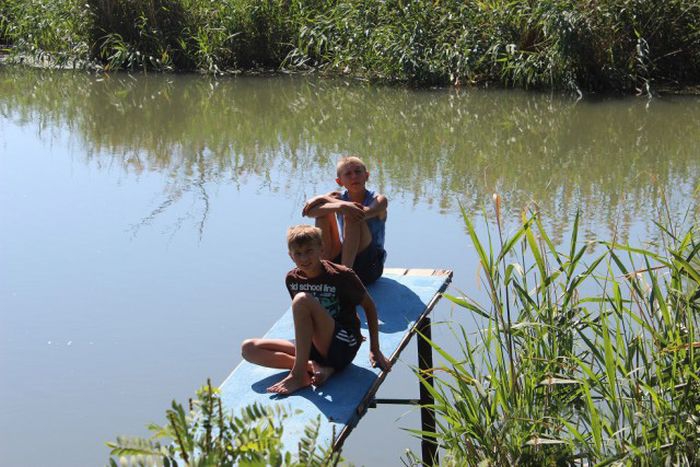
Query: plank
(403, 298)
(395, 271)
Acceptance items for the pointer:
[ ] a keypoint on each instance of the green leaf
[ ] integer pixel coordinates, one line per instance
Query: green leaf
(465, 303)
(513, 240)
(535, 250)
(481, 253)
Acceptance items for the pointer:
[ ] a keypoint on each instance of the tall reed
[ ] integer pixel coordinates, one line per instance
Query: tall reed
(609, 45)
(577, 359)
(582, 46)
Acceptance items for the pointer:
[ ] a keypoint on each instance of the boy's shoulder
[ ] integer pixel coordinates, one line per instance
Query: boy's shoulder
(336, 272)
(372, 193)
(343, 275)
(335, 268)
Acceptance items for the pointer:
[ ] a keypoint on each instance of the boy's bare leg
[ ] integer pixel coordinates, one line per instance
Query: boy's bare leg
(356, 237)
(329, 235)
(320, 373)
(312, 324)
(275, 353)
(272, 353)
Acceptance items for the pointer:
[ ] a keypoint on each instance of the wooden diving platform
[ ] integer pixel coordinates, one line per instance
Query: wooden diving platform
(404, 299)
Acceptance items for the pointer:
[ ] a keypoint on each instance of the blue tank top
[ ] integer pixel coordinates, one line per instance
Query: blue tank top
(375, 224)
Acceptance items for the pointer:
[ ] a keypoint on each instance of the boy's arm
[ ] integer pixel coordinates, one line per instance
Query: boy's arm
(323, 205)
(376, 358)
(312, 203)
(378, 207)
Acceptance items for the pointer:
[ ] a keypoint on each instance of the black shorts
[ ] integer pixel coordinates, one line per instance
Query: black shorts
(343, 348)
(369, 263)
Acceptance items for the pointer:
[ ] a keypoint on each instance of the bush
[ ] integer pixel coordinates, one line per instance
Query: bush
(210, 436)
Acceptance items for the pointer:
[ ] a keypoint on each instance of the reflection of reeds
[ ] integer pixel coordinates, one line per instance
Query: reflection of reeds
(195, 184)
(599, 366)
(607, 158)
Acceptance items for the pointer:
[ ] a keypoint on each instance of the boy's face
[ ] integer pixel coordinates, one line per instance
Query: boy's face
(352, 175)
(307, 257)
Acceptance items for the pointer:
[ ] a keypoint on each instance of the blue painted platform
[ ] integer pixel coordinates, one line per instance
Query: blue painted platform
(403, 297)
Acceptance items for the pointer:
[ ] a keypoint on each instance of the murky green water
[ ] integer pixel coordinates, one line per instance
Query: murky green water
(142, 222)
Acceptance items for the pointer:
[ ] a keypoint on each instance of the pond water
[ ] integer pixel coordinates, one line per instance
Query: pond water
(142, 223)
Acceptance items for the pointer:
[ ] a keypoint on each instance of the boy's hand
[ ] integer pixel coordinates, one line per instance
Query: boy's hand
(377, 359)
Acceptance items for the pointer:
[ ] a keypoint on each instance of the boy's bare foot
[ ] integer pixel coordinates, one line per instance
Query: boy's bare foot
(320, 374)
(291, 383)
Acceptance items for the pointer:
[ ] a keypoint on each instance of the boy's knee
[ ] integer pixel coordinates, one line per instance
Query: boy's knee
(301, 297)
(247, 348)
(302, 300)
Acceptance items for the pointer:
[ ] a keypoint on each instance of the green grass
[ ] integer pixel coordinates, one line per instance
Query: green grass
(581, 46)
(586, 363)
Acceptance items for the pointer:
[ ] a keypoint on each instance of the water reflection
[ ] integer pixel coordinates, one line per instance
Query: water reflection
(611, 158)
(69, 274)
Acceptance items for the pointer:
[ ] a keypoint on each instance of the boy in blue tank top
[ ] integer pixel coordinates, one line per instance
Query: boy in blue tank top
(352, 221)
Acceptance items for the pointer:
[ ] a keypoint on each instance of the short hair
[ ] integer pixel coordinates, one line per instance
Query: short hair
(345, 160)
(298, 235)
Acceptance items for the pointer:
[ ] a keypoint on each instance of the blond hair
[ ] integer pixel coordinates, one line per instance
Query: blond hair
(345, 160)
(298, 235)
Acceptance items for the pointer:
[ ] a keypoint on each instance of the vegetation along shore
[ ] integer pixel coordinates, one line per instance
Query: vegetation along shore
(627, 46)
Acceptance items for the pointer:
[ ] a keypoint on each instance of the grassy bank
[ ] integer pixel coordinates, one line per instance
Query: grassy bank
(609, 45)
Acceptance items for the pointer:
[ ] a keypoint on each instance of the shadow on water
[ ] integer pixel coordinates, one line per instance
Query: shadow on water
(608, 158)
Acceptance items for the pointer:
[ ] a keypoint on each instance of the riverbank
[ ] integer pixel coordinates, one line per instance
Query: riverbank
(620, 46)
